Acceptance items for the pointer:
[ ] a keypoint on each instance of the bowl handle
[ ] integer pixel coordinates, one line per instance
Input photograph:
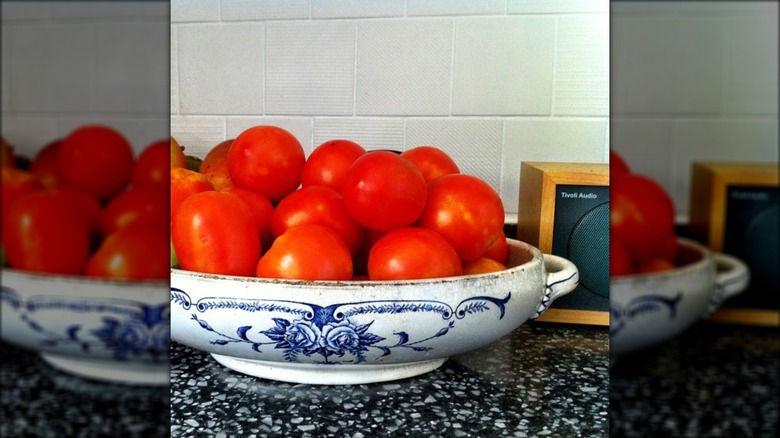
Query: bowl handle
(731, 278)
(562, 278)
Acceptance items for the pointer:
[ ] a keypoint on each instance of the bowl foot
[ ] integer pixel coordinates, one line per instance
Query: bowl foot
(110, 371)
(327, 375)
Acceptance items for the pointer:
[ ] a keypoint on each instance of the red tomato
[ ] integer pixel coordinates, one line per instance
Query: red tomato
(177, 155)
(86, 204)
(482, 265)
(498, 250)
(668, 249)
(384, 191)
(147, 204)
(617, 165)
(216, 233)
(185, 183)
(321, 205)
(97, 160)
(466, 211)
(307, 252)
(412, 253)
(329, 162)
(433, 162)
(43, 232)
(267, 160)
(620, 262)
(215, 166)
(15, 182)
(153, 165)
(45, 167)
(641, 215)
(135, 252)
(263, 211)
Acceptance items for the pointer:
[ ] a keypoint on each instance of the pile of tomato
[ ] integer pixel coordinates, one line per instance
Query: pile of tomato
(642, 233)
(86, 206)
(257, 206)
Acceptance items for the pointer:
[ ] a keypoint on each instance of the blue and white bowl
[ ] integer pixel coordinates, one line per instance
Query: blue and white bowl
(106, 330)
(330, 332)
(648, 309)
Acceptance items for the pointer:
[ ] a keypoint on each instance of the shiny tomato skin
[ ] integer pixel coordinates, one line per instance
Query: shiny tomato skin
(153, 165)
(86, 204)
(268, 160)
(262, 209)
(307, 252)
(135, 252)
(178, 159)
(148, 204)
(96, 159)
(43, 232)
(432, 161)
(216, 233)
(329, 162)
(498, 250)
(45, 166)
(321, 205)
(185, 183)
(466, 211)
(641, 215)
(620, 262)
(14, 183)
(482, 265)
(215, 166)
(412, 253)
(384, 191)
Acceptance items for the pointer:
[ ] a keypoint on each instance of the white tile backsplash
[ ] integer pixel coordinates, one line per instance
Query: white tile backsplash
(751, 75)
(454, 7)
(28, 134)
(404, 67)
(198, 134)
(503, 66)
(557, 6)
(370, 132)
(216, 75)
(183, 11)
(309, 67)
(244, 10)
(356, 8)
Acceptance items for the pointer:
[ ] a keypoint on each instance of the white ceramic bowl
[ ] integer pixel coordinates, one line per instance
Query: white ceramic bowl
(360, 332)
(100, 329)
(647, 309)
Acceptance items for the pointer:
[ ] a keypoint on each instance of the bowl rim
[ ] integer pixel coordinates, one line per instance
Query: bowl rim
(706, 258)
(536, 257)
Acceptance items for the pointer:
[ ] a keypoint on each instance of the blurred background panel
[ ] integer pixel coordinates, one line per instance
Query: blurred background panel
(65, 65)
(698, 82)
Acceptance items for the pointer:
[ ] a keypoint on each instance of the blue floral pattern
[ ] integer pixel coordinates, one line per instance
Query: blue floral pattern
(128, 329)
(335, 334)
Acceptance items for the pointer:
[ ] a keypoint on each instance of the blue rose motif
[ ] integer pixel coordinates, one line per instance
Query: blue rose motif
(302, 336)
(340, 337)
(131, 335)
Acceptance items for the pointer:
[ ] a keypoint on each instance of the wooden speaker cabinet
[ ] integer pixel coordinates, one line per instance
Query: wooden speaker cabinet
(563, 209)
(733, 209)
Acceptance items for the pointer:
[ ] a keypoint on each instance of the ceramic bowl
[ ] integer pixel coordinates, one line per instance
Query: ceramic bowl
(322, 332)
(647, 309)
(105, 330)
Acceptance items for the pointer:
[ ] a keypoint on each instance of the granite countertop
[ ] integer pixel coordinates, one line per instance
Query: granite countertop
(40, 401)
(542, 379)
(711, 380)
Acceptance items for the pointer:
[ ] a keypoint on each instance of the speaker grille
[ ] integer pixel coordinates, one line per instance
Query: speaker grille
(589, 249)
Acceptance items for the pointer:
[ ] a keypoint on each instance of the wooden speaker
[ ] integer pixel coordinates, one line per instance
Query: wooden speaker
(733, 208)
(563, 210)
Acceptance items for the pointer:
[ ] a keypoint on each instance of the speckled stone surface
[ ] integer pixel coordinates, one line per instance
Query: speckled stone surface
(40, 401)
(712, 380)
(540, 380)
